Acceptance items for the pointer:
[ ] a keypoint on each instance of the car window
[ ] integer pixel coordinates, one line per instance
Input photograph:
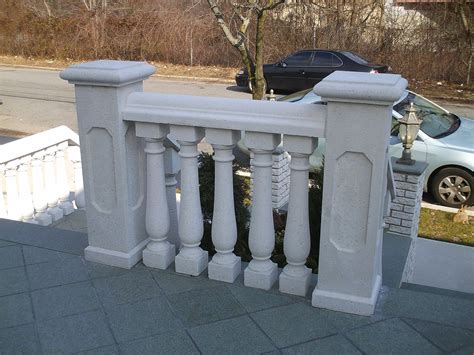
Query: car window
(325, 59)
(356, 58)
(299, 59)
(436, 122)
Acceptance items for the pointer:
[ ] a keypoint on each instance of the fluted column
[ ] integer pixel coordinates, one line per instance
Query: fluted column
(24, 191)
(40, 202)
(295, 277)
(261, 271)
(62, 181)
(225, 265)
(3, 209)
(13, 201)
(191, 260)
(74, 155)
(50, 184)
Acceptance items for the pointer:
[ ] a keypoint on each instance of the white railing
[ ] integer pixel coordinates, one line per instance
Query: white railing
(35, 171)
(129, 212)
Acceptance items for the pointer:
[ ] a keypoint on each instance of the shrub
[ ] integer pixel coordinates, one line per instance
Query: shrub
(242, 202)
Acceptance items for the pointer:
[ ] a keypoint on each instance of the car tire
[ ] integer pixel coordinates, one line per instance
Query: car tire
(453, 187)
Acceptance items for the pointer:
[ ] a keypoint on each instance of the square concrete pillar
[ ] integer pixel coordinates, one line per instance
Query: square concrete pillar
(112, 158)
(359, 107)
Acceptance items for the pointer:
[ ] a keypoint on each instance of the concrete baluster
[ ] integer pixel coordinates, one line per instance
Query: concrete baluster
(24, 191)
(225, 265)
(40, 202)
(172, 167)
(191, 260)
(13, 201)
(74, 155)
(295, 277)
(159, 253)
(3, 209)
(51, 184)
(261, 271)
(62, 181)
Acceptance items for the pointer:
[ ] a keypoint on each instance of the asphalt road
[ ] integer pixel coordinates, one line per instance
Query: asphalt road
(35, 100)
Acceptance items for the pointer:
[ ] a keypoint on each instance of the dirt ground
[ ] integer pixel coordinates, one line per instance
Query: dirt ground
(432, 89)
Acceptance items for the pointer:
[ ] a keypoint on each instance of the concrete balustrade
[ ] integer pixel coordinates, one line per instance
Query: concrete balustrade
(24, 192)
(13, 200)
(35, 174)
(355, 123)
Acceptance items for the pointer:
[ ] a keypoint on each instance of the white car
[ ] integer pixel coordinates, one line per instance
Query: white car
(445, 141)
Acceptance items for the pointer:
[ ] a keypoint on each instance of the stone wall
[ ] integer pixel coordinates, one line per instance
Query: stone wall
(405, 209)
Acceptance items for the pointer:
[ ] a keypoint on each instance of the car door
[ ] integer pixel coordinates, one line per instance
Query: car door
(322, 64)
(289, 74)
(419, 151)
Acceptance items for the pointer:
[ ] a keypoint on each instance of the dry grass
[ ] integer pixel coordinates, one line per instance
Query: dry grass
(439, 225)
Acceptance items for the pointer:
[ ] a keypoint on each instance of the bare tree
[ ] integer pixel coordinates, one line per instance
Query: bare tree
(463, 9)
(245, 12)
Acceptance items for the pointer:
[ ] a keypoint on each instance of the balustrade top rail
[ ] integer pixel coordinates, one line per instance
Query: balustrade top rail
(28, 145)
(308, 120)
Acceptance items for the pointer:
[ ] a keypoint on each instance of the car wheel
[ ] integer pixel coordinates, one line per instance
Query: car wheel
(453, 187)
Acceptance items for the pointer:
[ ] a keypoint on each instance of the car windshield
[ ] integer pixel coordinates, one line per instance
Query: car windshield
(356, 58)
(436, 123)
(295, 97)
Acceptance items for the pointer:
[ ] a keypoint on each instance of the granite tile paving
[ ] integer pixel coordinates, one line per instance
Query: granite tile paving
(64, 300)
(11, 256)
(231, 336)
(13, 281)
(390, 336)
(53, 301)
(57, 273)
(334, 344)
(15, 310)
(141, 319)
(21, 339)
(198, 307)
(445, 337)
(293, 324)
(176, 342)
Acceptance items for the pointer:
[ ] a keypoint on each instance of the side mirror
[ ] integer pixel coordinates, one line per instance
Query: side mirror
(281, 64)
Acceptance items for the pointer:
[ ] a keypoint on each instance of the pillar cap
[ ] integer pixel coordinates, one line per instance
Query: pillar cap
(114, 73)
(378, 89)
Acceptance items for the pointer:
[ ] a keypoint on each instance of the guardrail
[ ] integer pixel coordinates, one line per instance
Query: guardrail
(125, 161)
(36, 176)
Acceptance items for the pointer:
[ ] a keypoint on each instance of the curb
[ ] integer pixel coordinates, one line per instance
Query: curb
(444, 208)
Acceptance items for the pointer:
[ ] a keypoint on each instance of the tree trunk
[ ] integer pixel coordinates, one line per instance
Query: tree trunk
(259, 86)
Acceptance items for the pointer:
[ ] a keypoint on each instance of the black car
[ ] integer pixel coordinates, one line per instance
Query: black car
(304, 69)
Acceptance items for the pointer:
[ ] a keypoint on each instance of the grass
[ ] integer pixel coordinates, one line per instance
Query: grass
(439, 225)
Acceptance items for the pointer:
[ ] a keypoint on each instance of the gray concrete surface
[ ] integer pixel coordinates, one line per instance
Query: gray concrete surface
(35, 99)
(53, 301)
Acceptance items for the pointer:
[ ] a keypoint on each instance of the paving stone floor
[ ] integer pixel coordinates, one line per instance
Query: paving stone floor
(53, 301)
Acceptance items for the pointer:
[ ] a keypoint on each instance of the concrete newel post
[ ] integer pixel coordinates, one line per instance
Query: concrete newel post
(355, 181)
(112, 159)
